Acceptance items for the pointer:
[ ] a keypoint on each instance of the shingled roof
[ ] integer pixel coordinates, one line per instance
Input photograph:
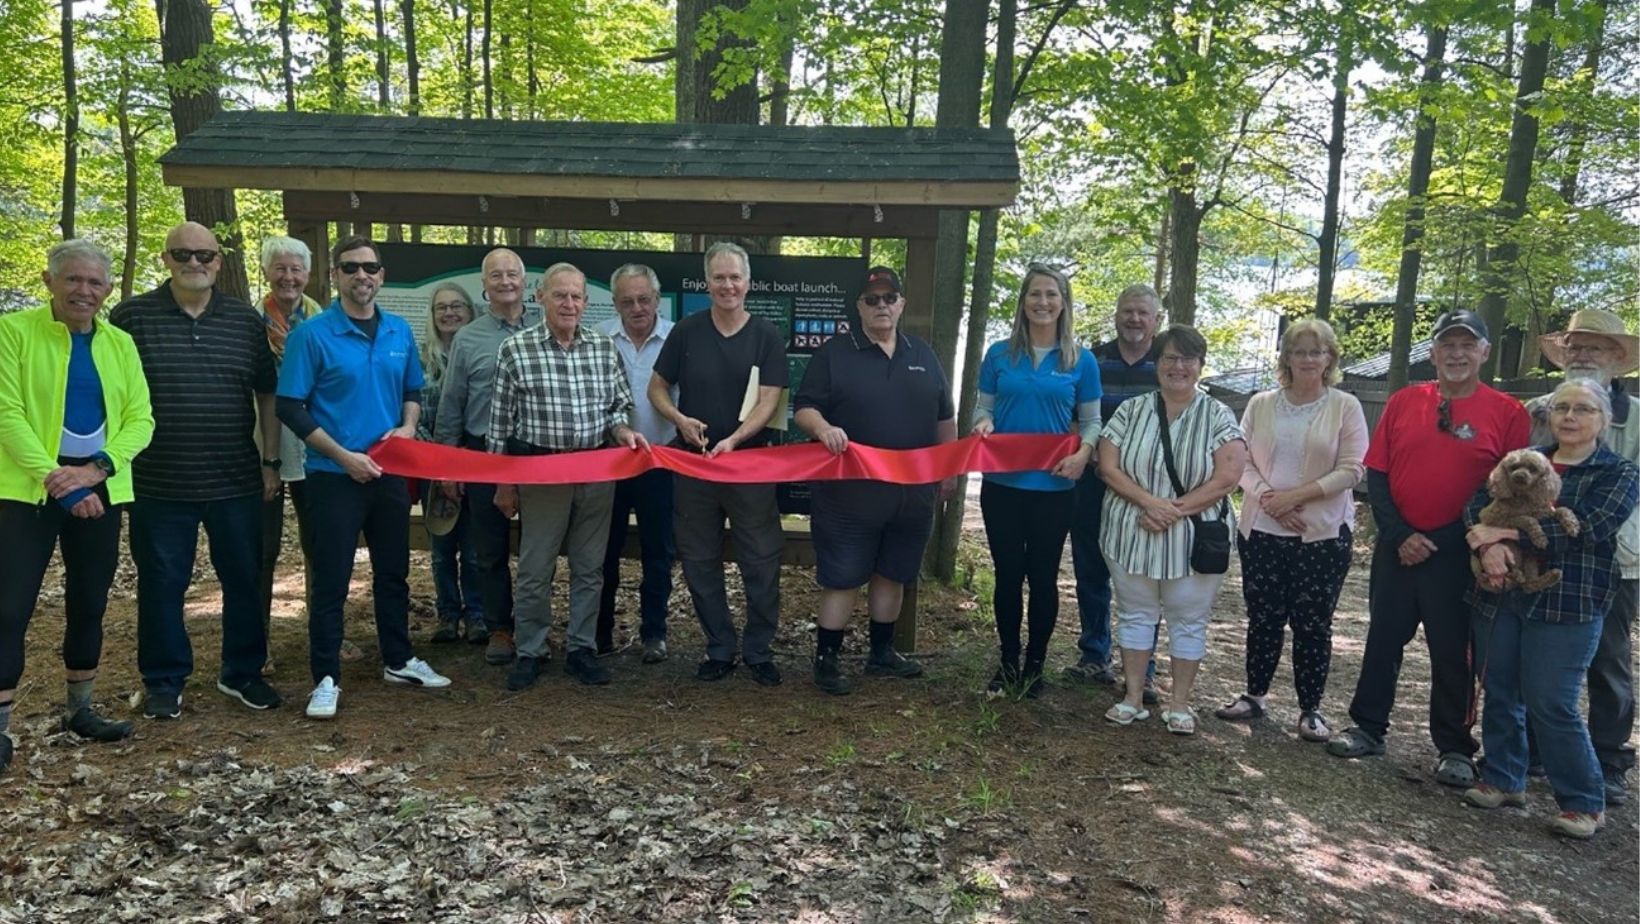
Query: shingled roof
(325, 152)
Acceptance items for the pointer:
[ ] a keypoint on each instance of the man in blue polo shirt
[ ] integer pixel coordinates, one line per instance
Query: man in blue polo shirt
(1127, 367)
(351, 377)
(878, 387)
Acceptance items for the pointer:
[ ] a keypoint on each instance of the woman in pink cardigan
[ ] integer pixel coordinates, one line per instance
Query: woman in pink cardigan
(1305, 444)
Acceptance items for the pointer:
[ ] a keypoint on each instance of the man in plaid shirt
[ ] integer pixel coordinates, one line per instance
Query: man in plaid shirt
(559, 387)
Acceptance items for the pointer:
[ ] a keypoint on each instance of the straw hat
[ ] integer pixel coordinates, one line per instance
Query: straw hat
(1595, 321)
(441, 513)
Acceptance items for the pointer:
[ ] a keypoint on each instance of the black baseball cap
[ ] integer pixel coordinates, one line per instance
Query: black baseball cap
(881, 276)
(1460, 318)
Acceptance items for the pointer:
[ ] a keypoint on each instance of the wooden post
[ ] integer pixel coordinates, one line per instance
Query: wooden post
(316, 235)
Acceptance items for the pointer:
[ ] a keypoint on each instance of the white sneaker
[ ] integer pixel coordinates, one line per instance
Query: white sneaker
(415, 672)
(322, 701)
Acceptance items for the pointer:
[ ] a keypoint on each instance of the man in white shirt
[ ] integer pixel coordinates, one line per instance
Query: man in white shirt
(639, 332)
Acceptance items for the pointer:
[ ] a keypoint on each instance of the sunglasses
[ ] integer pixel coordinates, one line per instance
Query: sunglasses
(887, 298)
(1443, 416)
(202, 257)
(349, 268)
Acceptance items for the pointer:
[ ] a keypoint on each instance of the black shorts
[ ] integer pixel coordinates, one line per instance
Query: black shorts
(863, 528)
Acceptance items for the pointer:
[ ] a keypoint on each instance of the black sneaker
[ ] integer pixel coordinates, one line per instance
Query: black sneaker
(582, 664)
(710, 670)
(765, 673)
(449, 630)
(890, 663)
(827, 675)
(524, 672)
(162, 705)
(6, 750)
(1617, 786)
(1005, 679)
(86, 723)
(256, 694)
(1030, 680)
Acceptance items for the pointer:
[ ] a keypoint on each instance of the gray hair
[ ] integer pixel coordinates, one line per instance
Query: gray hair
(727, 247)
(1140, 290)
(557, 268)
(285, 247)
(78, 248)
(1602, 398)
(634, 269)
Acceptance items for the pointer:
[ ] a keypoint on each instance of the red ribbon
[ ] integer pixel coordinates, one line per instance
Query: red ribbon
(797, 462)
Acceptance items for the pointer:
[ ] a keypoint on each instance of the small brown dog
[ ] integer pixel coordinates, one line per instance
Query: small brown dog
(1524, 487)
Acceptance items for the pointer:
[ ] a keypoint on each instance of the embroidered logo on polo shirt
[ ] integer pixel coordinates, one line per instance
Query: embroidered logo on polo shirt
(916, 368)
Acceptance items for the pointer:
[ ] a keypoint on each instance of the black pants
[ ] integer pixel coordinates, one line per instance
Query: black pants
(1287, 581)
(492, 543)
(1026, 532)
(273, 533)
(91, 551)
(650, 494)
(698, 511)
(339, 509)
(1399, 598)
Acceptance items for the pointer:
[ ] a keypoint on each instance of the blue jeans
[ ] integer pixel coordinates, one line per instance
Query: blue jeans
(456, 583)
(650, 494)
(1536, 668)
(164, 540)
(1092, 575)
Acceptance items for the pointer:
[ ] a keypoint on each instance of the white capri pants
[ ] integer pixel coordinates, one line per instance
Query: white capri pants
(1142, 602)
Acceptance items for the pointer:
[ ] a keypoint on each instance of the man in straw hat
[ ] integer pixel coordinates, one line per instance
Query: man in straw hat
(1595, 346)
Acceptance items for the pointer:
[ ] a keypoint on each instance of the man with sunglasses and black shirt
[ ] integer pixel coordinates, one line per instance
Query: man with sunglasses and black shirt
(211, 378)
(351, 376)
(1434, 446)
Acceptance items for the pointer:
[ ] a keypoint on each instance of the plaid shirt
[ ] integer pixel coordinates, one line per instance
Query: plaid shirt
(555, 398)
(1601, 490)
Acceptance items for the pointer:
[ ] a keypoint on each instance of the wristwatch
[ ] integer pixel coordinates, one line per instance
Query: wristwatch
(103, 465)
(274, 464)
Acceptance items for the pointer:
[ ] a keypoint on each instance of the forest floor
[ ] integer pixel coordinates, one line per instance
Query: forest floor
(659, 798)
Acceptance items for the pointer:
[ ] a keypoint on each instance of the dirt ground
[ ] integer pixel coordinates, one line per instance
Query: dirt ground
(659, 798)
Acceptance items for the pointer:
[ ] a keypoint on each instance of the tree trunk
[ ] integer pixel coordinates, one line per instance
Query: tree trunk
(1164, 234)
(1184, 246)
(1497, 276)
(71, 125)
(1423, 157)
(489, 88)
(1327, 259)
(128, 155)
(695, 83)
(412, 63)
(383, 98)
(286, 68)
(335, 55)
(467, 66)
(185, 27)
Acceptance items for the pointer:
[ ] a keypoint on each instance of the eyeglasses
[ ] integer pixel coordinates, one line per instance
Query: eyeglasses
(1586, 349)
(453, 306)
(1575, 410)
(887, 298)
(1309, 354)
(1174, 359)
(349, 268)
(1443, 415)
(202, 257)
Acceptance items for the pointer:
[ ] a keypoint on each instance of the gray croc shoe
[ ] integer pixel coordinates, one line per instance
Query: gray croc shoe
(1454, 769)
(1355, 742)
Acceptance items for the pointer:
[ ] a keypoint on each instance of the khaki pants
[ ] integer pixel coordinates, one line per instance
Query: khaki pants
(550, 514)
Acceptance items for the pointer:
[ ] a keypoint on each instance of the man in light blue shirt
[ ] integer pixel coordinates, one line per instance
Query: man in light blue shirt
(638, 332)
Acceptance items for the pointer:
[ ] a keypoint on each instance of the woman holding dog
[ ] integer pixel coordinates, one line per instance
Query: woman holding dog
(1305, 445)
(1533, 649)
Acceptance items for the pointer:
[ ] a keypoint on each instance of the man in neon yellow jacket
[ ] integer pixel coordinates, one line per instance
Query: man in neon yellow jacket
(74, 412)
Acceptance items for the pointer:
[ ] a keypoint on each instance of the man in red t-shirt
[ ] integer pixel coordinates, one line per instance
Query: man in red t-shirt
(1434, 446)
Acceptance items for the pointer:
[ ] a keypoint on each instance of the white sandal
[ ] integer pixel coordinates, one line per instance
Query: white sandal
(1124, 714)
(1182, 722)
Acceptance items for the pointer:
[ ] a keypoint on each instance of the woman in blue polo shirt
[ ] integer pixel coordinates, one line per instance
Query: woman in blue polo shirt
(1037, 381)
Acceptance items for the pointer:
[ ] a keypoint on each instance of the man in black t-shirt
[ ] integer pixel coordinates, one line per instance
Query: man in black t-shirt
(714, 358)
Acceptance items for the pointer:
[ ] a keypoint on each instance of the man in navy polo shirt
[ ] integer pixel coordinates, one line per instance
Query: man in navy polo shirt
(1127, 367)
(879, 387)
(351, 377)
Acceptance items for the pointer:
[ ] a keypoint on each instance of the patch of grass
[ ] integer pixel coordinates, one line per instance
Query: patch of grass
(741, 895)
(979, 891)
(410, 808)
(988, 720)
(842, 753)
(985, 797)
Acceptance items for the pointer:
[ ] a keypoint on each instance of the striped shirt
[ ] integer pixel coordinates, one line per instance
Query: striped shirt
(203, 375)
(1119, 380)
(1135, 431)
(555, 398)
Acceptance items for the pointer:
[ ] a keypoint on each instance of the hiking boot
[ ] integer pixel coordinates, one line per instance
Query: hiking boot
(477, 632)
(710, 670)
(416, 673)
(654, 651)
(501, 649)
(449, 630)
(1617, 786)
(582, 664)
(86, 723)
(1090, 673)
(159, 704)
(1005, 679)
(765, 673)
(323, 700)
(7, 749)
(1581, 825)
(523, 674)
(1030, 680)
(890, 663)
(1487, 796)
(828, 676)
(255, 694)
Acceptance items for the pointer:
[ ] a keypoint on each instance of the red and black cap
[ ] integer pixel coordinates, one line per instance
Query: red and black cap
(881, 276)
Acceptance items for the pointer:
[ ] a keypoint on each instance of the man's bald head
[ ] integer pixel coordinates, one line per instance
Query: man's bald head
(192, 271)
(192, 235)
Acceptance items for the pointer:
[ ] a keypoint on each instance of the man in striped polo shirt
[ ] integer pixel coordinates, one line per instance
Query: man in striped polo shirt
(1127, 367)
(209, 370)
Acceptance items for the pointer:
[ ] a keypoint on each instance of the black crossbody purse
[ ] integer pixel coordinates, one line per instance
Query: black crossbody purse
(1210, 539)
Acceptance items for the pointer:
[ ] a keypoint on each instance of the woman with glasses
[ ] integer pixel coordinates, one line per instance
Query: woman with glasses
(1037, 381)
(1168, 461)
(455, 563)
(1532, 650)
(1305, 445)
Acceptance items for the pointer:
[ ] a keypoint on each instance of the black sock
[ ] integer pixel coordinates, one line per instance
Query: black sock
(828, 641)
(882, 637)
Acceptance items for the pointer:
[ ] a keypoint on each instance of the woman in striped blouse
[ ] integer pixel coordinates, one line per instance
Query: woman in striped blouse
(1146, 529)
